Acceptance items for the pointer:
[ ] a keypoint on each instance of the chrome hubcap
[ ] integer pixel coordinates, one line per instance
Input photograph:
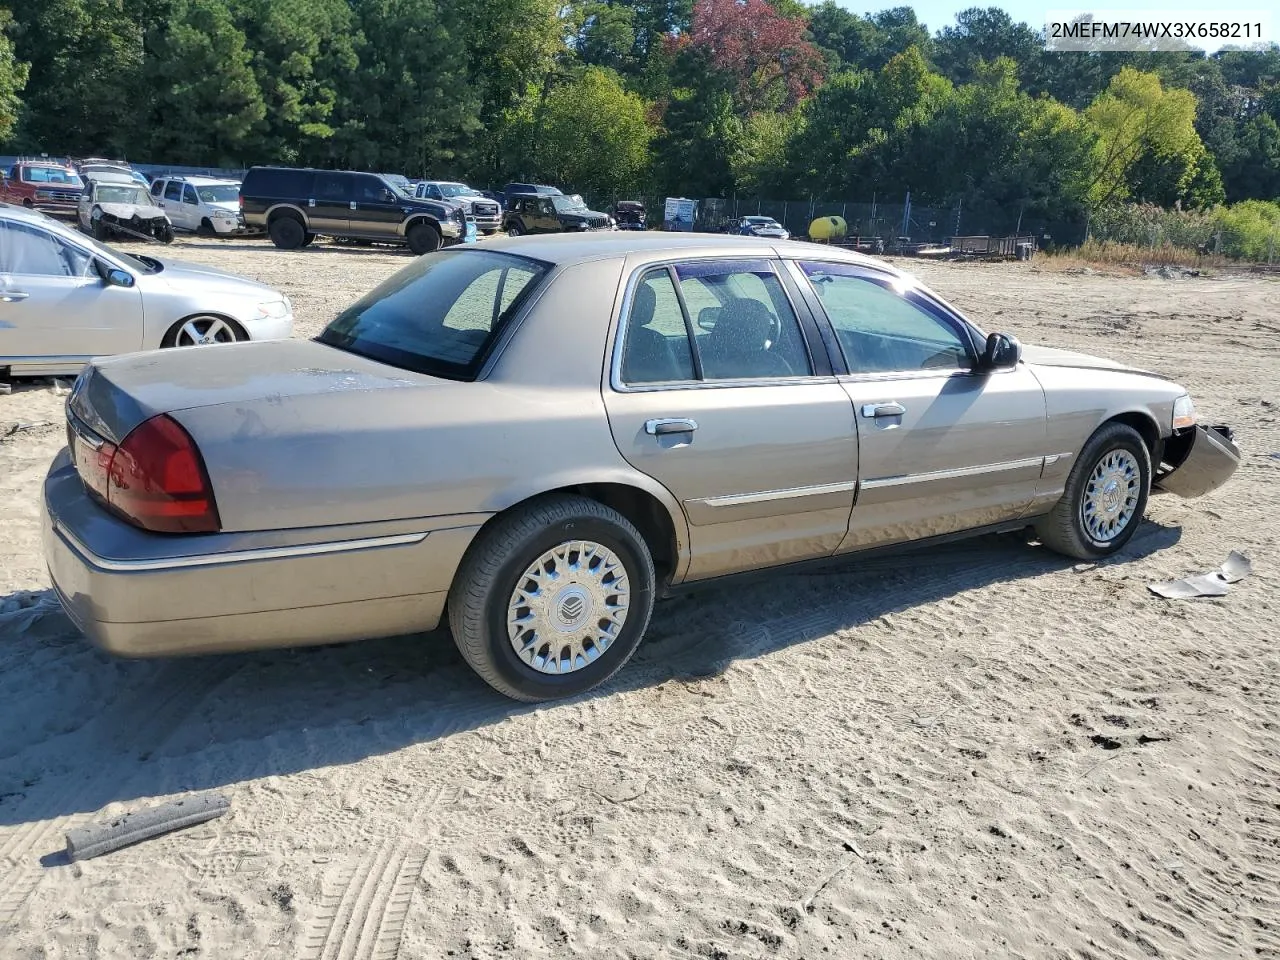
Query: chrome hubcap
(202, 331)
(568, 607)
(1111, 495)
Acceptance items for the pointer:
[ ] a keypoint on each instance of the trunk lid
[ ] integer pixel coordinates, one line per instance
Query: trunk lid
(114, 395)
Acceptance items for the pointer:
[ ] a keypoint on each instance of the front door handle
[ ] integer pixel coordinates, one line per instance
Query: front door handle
(660, 428)
(891, 409)
(12, 296)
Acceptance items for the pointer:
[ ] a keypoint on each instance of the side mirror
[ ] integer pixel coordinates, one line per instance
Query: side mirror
(388, 196)
(1002, 352)
(114, 277)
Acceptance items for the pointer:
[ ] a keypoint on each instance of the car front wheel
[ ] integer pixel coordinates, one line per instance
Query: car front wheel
(202, 331)
(553, 598)
(423, 238)
(1105, 496)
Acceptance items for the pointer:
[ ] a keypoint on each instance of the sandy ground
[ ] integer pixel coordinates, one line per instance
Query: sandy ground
(983, 751)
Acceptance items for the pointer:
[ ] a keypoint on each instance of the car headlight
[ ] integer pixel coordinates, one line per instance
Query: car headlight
(275, 309)
(1184, 413)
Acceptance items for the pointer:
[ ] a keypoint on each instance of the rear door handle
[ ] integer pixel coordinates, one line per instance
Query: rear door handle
(12, 296)
(660, 428)
(891, 409)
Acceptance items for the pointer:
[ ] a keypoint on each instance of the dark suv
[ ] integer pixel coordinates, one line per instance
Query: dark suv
(295, 206)
(553, 214)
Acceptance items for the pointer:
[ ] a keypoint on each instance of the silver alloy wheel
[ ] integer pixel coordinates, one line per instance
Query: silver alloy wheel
(1111, 495)
(201, 331)
(568, 606)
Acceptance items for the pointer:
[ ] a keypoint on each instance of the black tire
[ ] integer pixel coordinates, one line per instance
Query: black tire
(287, 233)
(514, 229)
(309, 239)
(1063, 529)
(423, 238)
(206, 228)
(99, 230)
(493, 567)
(166, 233)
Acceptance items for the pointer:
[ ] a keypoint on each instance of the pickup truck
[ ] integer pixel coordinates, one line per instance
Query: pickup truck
(42, 185)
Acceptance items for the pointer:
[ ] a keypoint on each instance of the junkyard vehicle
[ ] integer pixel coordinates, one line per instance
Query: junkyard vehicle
(762, 227)
(513, 190)
(551, 214)
(116, 207)
(295, 206)
(42, 185)
(543, 435)
(200, 204)
(65, 298)
(105, 169)
(487, 213)
(629, 215)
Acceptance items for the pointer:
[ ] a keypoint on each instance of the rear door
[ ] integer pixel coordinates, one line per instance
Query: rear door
(329, 208)
(53, 304)
(715, 391)
(942, 446)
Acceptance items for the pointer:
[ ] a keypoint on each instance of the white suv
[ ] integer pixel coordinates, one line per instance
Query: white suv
(200, 204)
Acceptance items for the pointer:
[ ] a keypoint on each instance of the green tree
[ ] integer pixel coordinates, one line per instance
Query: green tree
(13, 78)
(984, 35)
(1139, 125)
(206, 98)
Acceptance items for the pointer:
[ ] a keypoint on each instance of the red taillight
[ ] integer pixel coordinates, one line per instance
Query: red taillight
(157, 479)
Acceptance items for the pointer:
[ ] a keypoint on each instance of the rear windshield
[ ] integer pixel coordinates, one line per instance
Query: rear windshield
(441, 315)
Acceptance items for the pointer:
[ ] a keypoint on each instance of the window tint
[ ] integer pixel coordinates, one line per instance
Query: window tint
(369, 189)
(189, 195)
(173, 190)
(332, 187)
(157, 188)
(441, 314)
(279, 183)
(27, 251)
(656, 349)
(879, 329)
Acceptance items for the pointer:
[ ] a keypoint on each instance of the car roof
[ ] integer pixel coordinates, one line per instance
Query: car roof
(112, 177)
(197, 181)
(566, 249)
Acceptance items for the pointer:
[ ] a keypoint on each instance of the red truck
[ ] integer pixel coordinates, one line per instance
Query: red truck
(43, 185)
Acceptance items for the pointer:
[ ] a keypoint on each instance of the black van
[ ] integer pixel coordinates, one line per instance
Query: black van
(297, 205)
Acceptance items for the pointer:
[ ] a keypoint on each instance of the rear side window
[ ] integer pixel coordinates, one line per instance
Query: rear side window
(278, 183)
(157, 188)
(173, 190)
(441, 314)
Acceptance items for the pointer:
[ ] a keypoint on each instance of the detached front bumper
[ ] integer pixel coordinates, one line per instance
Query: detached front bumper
(1198, 461)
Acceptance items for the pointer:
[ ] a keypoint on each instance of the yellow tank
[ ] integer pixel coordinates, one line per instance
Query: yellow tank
(828, 229)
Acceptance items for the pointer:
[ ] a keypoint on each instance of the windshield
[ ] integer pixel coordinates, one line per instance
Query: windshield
(455, 189)
(122, 193)
(220, 193)
(50, 175)
(440, 315)
(573, 204)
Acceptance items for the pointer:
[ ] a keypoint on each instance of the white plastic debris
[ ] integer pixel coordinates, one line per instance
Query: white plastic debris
(1215, 583)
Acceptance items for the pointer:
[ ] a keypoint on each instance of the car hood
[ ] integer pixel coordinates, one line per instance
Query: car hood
(115, 394)
(1052, 357)
(210, 281)
(127, 211)
(228, 206)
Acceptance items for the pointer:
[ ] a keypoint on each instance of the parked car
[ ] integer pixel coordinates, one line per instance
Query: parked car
(762, 227)
(97, 166)
(42, 185)
(114, 206)
(65, 298)
(296, 205)
(629, 215)
(513, 190)
(551, 214)
(429, 452)
(486, 213)
(204, 205)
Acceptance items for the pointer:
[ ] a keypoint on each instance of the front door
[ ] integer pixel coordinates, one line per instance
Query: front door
(171, 203)
(188, 211)
(53, 304)
(715, 394)
(329, 208)
(377, 211)
(941, 446)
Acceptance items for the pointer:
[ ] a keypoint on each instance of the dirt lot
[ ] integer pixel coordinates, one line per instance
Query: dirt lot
(986, 750)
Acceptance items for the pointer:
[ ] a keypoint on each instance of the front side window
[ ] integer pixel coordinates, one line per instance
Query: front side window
(441, 314)
(189, 195)
(371, 189)
(28, 251)
(883, 330)
(731, 320)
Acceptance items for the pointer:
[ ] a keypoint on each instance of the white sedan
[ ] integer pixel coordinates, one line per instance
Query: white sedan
(65, 298)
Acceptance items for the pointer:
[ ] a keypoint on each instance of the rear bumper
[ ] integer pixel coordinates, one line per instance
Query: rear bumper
(1198, 461)
(138, 594)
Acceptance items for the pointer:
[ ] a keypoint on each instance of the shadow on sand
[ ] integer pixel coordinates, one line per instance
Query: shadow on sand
(281, 712)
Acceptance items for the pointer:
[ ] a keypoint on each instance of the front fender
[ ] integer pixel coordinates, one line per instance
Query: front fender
(1198, 461)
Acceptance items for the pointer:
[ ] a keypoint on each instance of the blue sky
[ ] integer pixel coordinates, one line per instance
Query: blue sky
(937, 14)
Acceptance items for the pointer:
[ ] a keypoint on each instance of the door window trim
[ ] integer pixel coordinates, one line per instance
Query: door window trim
(917, 297)
(670, 265)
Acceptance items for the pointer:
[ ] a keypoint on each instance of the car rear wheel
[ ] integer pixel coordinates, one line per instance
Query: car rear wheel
(287, 233)
(1105, 496)
(200, 331)
(553, 598)
(309, 239)
(423, 238)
